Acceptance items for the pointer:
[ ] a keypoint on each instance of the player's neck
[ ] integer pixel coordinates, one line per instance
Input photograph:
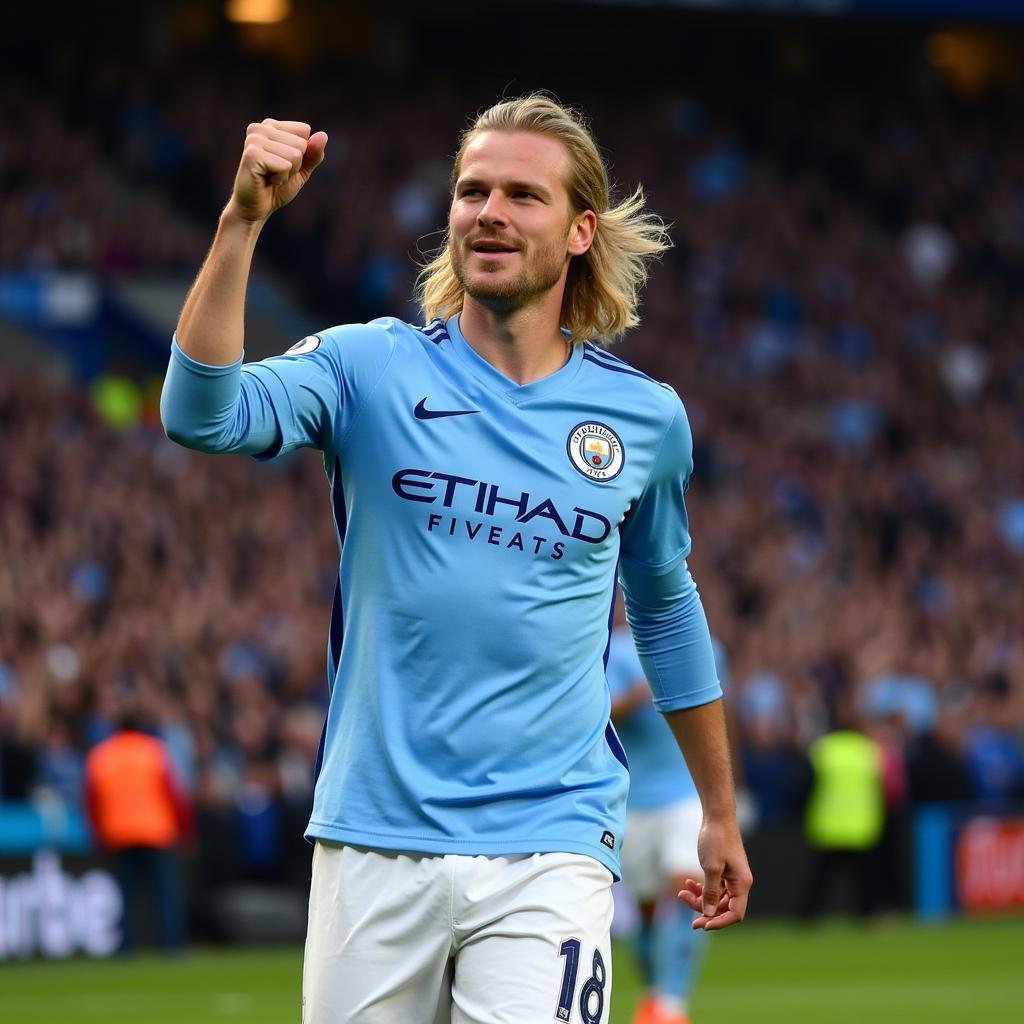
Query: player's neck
(525, 345)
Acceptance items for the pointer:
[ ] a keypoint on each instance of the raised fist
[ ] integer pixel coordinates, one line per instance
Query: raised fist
(278, 158)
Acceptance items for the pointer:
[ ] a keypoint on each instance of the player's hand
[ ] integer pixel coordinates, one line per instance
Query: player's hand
(277, 160)
(721, 900)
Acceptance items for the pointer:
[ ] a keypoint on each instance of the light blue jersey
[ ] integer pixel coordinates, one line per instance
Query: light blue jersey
(658, 776)
(480, 525)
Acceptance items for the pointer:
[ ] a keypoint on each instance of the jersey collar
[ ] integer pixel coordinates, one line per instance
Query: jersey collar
(496, 381)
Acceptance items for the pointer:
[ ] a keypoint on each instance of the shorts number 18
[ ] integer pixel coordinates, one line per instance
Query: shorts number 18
(592, 993)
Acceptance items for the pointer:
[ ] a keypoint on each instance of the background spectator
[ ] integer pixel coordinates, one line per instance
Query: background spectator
(140, 816)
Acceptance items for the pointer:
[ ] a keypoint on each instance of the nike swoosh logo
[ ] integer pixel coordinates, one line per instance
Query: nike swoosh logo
(423, 413)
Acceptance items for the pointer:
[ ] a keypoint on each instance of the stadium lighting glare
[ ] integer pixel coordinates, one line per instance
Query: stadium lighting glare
(969, 59)
(257, 12)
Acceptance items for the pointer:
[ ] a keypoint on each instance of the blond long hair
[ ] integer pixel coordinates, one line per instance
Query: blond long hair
(602, 291)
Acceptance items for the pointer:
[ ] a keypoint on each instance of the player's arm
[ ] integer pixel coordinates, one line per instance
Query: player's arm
(277, 160)
(207, 402)
(721, 900)
(674, 645)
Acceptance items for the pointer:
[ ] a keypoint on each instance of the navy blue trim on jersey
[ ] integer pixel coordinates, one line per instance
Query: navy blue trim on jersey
(617, 369)
(319, 763)
(337, 633)
(612, 739)
(611, 620)
(598, 355)
(607, 357)
(609, 733)
(337, 630)
(436, 331)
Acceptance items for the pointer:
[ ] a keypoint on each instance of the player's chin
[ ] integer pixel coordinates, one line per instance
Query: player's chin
(493, 272)
(494, 287)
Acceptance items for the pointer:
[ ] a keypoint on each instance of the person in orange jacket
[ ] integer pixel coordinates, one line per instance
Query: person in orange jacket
(140, 814)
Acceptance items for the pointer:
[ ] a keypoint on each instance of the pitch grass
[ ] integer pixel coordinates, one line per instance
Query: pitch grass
(769, 974)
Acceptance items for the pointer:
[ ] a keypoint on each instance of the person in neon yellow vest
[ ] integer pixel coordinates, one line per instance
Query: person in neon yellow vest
(844, 818)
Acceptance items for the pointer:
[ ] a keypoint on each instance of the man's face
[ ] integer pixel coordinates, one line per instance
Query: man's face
(511, 228)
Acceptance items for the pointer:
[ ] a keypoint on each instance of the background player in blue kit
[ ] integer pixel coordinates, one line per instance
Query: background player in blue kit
(488, 472)
(662, 829)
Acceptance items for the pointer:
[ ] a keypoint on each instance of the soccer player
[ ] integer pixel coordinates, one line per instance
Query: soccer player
(488, 471)
(662, 825)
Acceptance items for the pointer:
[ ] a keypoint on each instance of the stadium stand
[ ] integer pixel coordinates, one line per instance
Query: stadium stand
(841, 314)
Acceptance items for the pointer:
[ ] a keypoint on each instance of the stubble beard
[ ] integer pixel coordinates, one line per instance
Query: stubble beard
(539, 275)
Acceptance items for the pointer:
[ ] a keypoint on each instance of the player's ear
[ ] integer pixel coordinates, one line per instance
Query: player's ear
(582, 232)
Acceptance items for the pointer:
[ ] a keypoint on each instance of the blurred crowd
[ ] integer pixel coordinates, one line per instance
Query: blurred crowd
(137, 576)
(63, 207)
(841, 315)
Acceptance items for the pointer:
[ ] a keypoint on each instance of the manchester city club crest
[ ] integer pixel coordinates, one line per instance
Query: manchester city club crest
(596, 451)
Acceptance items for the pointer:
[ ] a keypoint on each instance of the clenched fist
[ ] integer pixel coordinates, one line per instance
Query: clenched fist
(278, 158)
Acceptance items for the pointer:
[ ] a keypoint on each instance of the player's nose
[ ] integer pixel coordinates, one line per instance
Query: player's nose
(494, 211)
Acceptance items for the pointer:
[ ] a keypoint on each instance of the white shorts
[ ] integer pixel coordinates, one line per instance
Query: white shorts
(659, 845)
(404, 938)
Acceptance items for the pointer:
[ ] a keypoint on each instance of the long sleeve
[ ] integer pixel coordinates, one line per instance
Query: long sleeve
(672, 637)
(216, 408)
(308, 397)
(662, 603)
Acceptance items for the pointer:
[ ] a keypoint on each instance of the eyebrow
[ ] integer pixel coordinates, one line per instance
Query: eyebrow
(509, 186)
